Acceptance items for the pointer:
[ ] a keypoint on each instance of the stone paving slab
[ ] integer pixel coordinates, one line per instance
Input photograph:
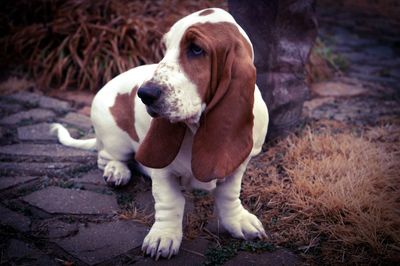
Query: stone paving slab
(360, 58)
(35, 132)
(25, 97)
(9, 108)
(39, 169)
(71, 201)
(352, 110)
(315, 103)
(96, 243)
(6, 135)
(337, 89)
(26, 254)
(366, 69)
(59, 229)
(51, 152)
(14, 219)
(376, 79)
(9, 182)
(79, 120)
(54, 104)
(94, 177)
(53, 228)
(35, 99)
(190, 253)
(277, 257)
(34, 115)
(379, 51)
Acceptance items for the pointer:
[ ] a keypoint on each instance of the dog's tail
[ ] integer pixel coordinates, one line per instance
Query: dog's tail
(65, 138)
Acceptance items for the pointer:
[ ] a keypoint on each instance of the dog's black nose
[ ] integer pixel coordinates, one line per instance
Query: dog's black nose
(149, 94)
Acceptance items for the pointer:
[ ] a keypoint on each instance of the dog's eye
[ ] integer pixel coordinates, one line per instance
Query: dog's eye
(195, 50)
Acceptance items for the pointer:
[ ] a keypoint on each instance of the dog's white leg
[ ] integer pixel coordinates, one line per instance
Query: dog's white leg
(233, 216)
(116, 172)
(102, 159)
(165, 236)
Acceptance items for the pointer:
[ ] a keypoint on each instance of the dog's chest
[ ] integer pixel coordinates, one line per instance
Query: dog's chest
(182, 166)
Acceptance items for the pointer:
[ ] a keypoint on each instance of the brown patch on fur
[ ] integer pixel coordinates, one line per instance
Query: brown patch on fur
(206, 12)
(225, 77)
(123, 112)
(215, 39)
(161, 144)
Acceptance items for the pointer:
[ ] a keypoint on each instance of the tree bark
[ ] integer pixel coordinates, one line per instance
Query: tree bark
(282, 33)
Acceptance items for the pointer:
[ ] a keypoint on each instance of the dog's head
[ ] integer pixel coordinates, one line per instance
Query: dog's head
(207, 78)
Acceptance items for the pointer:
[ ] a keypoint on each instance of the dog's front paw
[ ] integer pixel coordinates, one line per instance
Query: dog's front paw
(162, 242)
(244, 225)
(116, 173)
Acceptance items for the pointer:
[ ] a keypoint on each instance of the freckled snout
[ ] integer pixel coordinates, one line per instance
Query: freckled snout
(149, 93)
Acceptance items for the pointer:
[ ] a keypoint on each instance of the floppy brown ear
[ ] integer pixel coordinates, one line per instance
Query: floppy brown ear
(161, 144)
(224, 139)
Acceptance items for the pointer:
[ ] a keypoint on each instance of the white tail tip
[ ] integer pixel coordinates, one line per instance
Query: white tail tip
(65, 138)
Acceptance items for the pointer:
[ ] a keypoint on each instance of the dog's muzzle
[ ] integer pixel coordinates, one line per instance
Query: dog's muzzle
(149, 94)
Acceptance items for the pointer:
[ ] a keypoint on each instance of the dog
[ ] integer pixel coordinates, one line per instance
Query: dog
(194, 119)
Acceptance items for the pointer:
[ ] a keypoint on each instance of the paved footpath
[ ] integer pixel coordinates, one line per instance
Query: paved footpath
(367, 90)
(55, 207)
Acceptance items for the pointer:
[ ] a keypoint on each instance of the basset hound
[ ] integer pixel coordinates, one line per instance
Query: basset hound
(194, 119)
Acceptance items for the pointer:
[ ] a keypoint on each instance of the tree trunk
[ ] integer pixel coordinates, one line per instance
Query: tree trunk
(282, 33)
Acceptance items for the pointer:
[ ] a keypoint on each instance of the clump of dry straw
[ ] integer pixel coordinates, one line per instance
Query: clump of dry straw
(333, 194)
(86, 43)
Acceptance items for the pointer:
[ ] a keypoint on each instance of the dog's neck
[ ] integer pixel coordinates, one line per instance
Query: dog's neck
(194, 123)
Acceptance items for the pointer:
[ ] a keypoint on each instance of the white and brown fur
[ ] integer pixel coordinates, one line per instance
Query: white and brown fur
(201, 99)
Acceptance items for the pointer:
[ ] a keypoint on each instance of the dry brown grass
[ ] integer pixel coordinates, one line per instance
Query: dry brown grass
(86, 43)
(137, 215)
(196, 218)
(332, 196)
